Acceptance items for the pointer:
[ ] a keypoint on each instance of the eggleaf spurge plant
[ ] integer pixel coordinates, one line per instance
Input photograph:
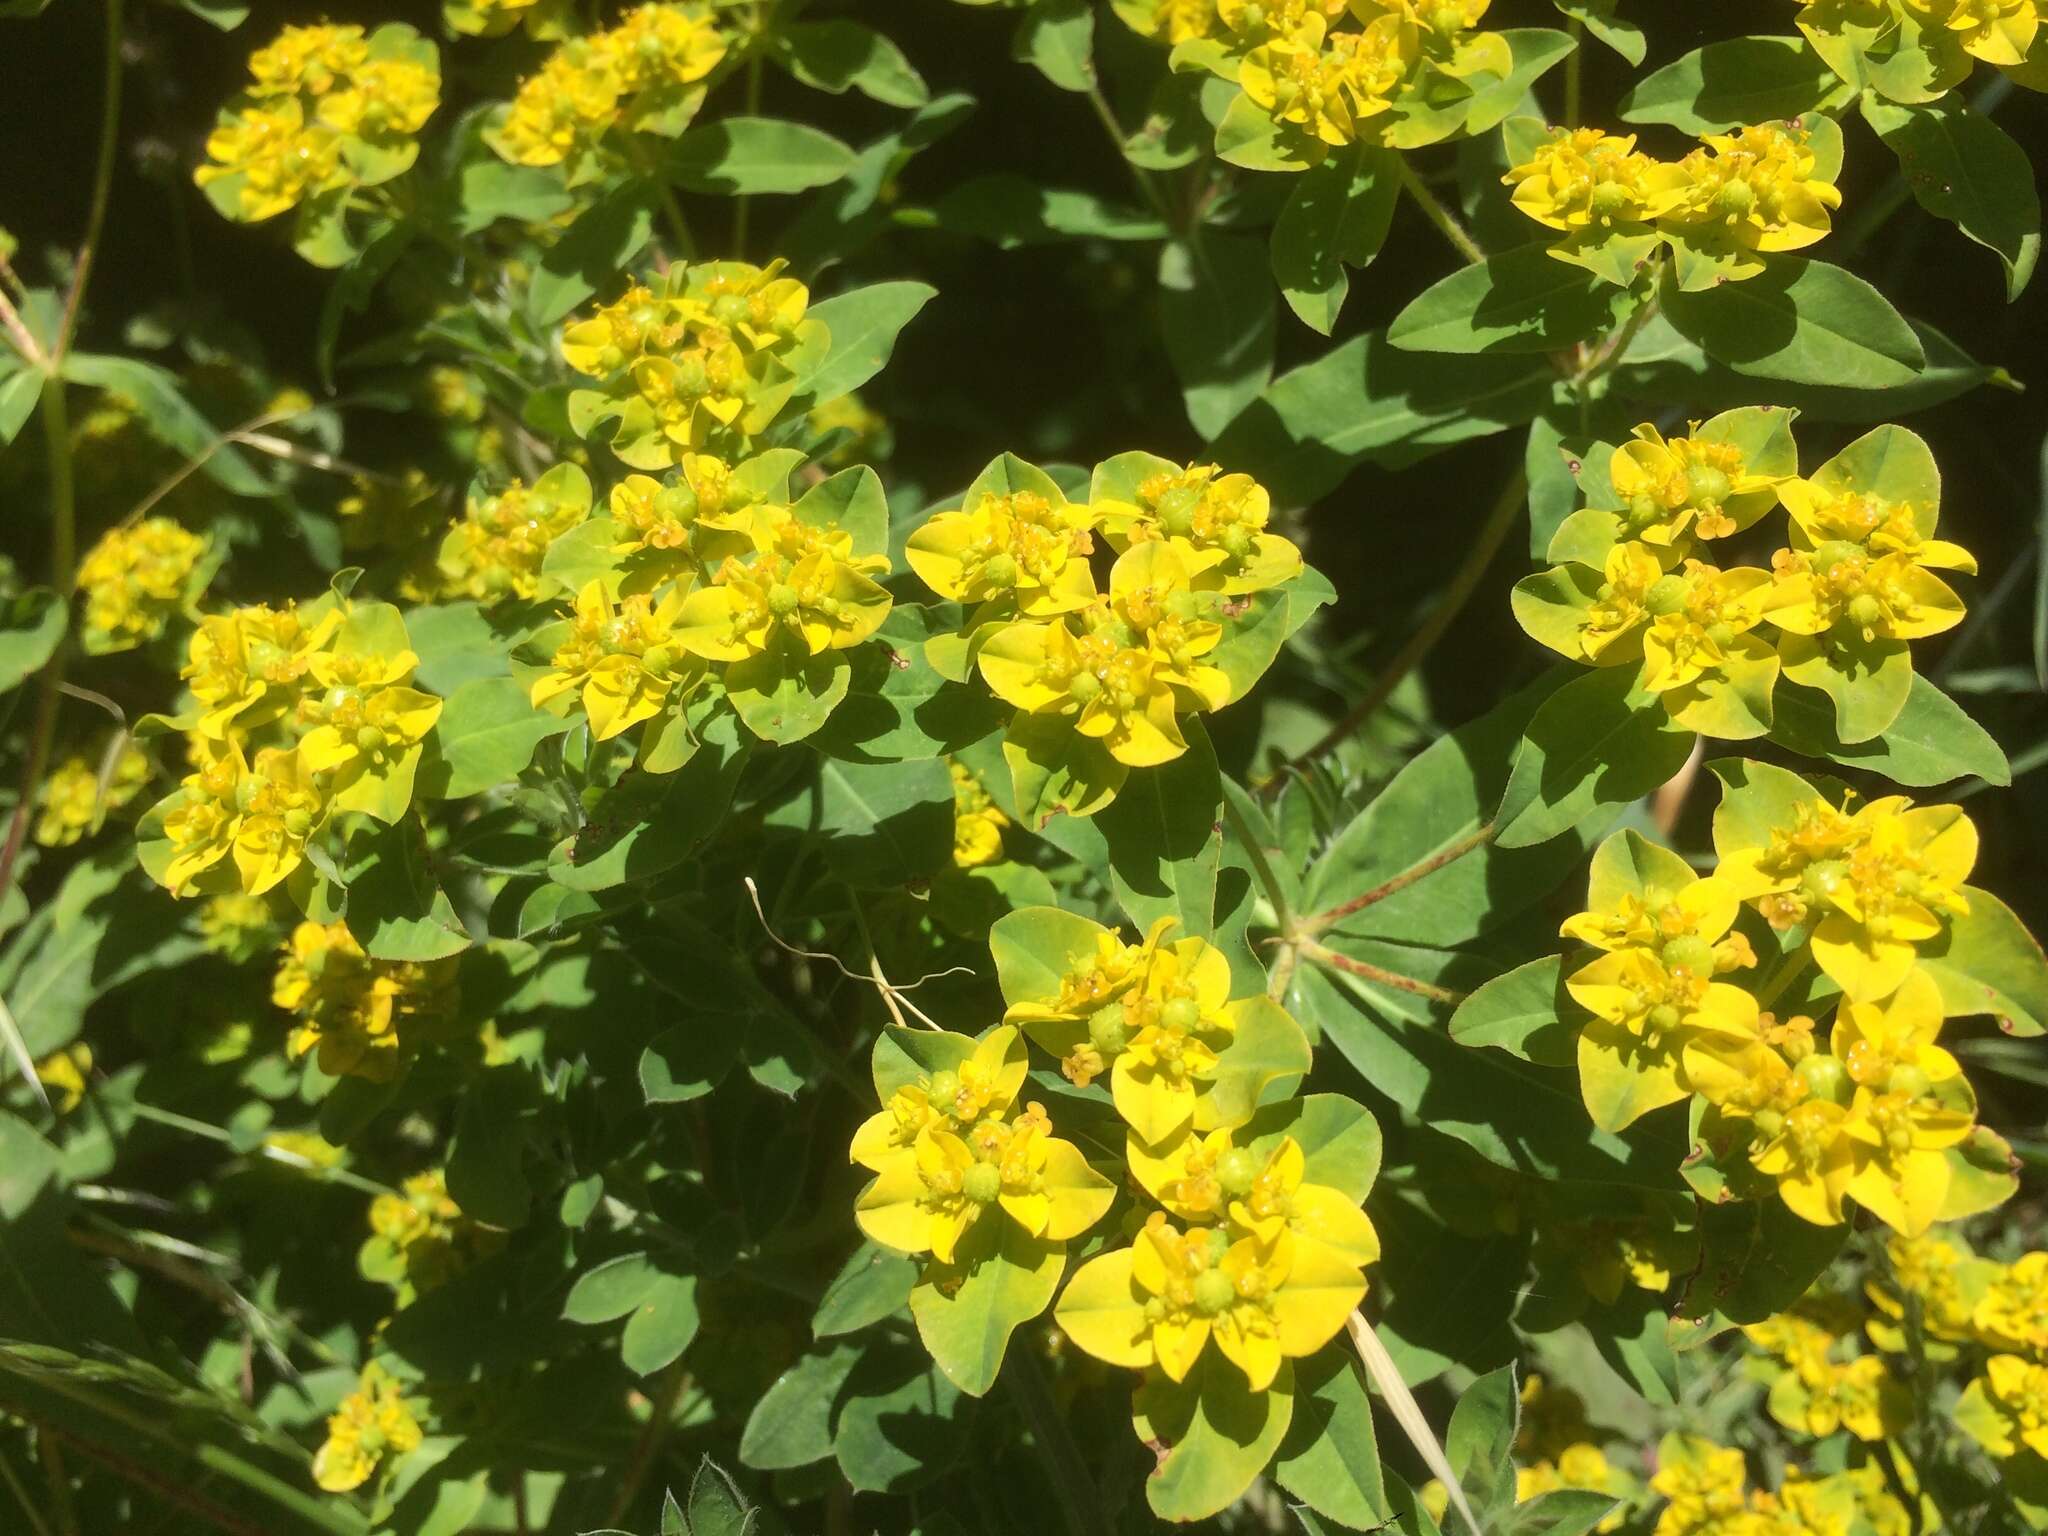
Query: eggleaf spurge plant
(576, 907)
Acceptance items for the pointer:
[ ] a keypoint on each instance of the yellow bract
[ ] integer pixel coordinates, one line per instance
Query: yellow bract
(135, 579)
(1328, 84)
(73, 803)
(366, 1018)
(621, 659)
(1681, 487)
(372, 1426)
(1020, 554)
(1215, 523)
(1160, 1301)
(978, 822)
(261, 813)
(419, 1238)
(494, 551)
(64, 1073)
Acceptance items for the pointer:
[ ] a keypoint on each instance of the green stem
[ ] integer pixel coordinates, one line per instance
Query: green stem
(102, 179)
(1148, 188)
(744, 208)
(1485, 545)
(1572, 72)
(1787, 971)
(1072, 1487)
(1434, 210)
(13, 1481)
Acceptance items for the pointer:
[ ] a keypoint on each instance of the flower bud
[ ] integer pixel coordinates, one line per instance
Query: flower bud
(1707, 486)
(783, 600)
(1238, 1171)
(1769, 1122)
(1610, 200)
(1666, 595)
(370, 739)
(1834, 552)
(1909, 1080)
(1865, 612)
(982, 1183)
(1000, 571)
(1177, 510)
(1663, 1019)
(730, 310)
(676, 504)
(298, 822)
(659, 661)
(1107, 1029)
(1734, 199)
(1084, 687)
(1214, 1293)
(1689, 952)
(1826, 1078)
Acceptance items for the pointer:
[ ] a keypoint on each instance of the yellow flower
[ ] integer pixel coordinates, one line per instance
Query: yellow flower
(261, 813)
(622, 658)
(1131, 673)
(561, 113)
(134, 579)
(802, 594)
(1754, 191)
(1202, 1178)
(946, 1149)
(1704, 1482)
(978, 821)
(365, 1017)
(1168, 21)
(1839, 591)
(365, 728)
(658, 520)
(1215, 522)
(385, 511)
(1680, 486)
(1698, 653)
(1175, 1023)
(542, 19)
(389, 98)
(1601, 615)
(1327, 85)
(419, 1238)
(2013, 1313)
(1077, 1022)
(373, 1425)
(2007, 1408)
(1594, 187)
(1019, 554)
(263, 159)
(1997, 31)
(495, 550)
(246, 667)
(72, 802)
(1944, 1277)
(64, 1072)
(1160, 1301)
(312, 60)
(655, 48)
(1878, 878)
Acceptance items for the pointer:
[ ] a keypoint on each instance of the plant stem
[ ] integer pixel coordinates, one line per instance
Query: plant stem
(1147, 187)
(744, 207)
(1066, 1471)
(102, 181)
(1377, 975)
(661, 1413)
(1433, 208)
(13, 1481)
(1402, 881)
(1485, 545)
(1572, 76)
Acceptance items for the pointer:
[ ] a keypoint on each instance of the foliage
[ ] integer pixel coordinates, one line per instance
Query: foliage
(661, 825)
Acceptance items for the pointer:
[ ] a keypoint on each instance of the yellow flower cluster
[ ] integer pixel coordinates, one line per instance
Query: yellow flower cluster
(1877, 1111)
(953, 1145)
(543, 19)
(1918, 50)
(647, 74)
(1407, 74)
(977, 821)
(237, 926)
(364, 1017)
(494, 550)
(373, 1427)
(1854, 585)
(704, 364)
(419, 1238)
(1101, 680)
(73, 804)
(300, 714)
(1813, 1393)
(1723, 208)
(136, 579)
(327, 109)
(65, 1073)
(1707, 1486)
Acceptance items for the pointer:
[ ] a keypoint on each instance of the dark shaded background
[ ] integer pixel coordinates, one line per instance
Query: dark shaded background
(1055, 351)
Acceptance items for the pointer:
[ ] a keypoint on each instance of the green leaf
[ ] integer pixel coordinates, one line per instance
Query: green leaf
(1339, 1140)
(1165, 840)
(966, 1311)
(30, 630)
(484, 738)
(737, 155)
(873, 1284)
(1012, 212)
(1560, 1512)
(1056, 771)
(716, 1507)
(1368, 399)
(1805, 322)
(1869, 680)
(1523, 1013)
(1216, 303)
(1058, 37)
(863, 326)
(172, 419)
(662, 1325)
(1596, 744)
(900, 1424)
(456, 644)
(1335, 217)
(649, 824)
(593, 252)
(396, 907)
(1330, 1458)
(688, 1061)
(488, 189)
(887, 824)
(1728, 84)
(1534, 52)
(897, 707)
(1522, 300)
(486, 1161)
(1987, 962)
(19, 392)
(1480, 1440)
(834, 55)
(1217, 1434)
(1965, 168)
(611, 1290)
(1757, 1259)
(784, 698)
(1930, 741)
(791, 1423)
(1617, 32)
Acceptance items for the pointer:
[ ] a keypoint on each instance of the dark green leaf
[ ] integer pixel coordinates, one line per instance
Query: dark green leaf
(1802, 321)
(1930, 741)
(736, 155)
(1521, 1012)
(1731, 83)
(593, 252)
(863, 325)
(833, 55)
(1522, 300)
(1987, 962)
(1335, 217)
(1058, 37)
(1165, 840)
(1965, 168)
(172, 419)
(1597, 744)
(31, 624)
(484, 738)
(1216, 302)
